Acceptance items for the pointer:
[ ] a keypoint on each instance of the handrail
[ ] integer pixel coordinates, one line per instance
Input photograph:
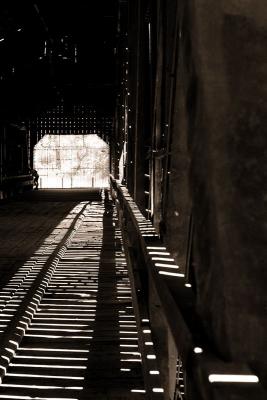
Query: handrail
(10, 185)
(200, 363)
(17, 177)
(181, 333)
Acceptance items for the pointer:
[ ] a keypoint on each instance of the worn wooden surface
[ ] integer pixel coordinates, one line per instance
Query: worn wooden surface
(186, 360)
(80, 339)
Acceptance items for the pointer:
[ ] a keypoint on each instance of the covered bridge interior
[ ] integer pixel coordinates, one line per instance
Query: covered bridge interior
(137, 269)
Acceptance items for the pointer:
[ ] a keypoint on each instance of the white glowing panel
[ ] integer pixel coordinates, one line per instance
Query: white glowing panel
(72, 161)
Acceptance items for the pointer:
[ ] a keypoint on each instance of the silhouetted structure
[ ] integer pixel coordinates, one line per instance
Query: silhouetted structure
(178, 91)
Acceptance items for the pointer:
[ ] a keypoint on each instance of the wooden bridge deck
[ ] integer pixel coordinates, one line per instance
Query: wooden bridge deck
(68, 328)
(84, 287)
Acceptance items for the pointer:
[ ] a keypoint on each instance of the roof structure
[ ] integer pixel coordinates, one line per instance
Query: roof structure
(56, 51)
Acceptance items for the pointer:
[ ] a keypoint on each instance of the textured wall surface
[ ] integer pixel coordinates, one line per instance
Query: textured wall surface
(206, 151)
(228, 174)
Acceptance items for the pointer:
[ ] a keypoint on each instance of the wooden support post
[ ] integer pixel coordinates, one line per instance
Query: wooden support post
(156, 166)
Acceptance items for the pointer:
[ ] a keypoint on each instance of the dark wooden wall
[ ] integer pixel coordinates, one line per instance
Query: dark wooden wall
(198, 84)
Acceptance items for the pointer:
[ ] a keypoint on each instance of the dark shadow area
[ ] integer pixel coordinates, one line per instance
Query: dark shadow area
(104, 378)
(64, 195)
(103, 359)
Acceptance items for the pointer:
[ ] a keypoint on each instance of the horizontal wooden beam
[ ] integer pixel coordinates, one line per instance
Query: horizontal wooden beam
(211, 377)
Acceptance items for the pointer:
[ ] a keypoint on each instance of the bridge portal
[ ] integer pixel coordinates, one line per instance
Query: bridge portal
(72, 161)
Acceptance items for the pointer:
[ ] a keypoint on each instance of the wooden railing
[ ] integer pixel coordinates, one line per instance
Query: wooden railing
(188, 367)
(12, 185)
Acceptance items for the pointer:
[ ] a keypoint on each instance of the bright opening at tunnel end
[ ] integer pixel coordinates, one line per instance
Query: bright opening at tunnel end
(72, 161)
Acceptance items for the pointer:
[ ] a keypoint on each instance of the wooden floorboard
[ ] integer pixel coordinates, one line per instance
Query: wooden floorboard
(82, 341)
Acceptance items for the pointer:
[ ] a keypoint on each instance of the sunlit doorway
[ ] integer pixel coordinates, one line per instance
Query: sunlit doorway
(72, 161)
